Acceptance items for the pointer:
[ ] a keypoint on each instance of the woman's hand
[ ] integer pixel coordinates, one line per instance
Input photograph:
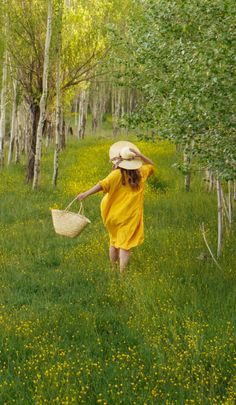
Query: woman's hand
(145, 159)
(93, 190)
(81, 196)
(137, 154)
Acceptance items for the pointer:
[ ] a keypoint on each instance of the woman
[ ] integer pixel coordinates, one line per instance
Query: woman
(122, 205)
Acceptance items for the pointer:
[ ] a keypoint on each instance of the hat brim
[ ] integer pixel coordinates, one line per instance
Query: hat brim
(116, 148)
(133, 164)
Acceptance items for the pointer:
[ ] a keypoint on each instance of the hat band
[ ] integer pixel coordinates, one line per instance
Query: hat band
(119, 160)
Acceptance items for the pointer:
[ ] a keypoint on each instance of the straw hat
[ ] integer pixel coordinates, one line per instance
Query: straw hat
(121, 155)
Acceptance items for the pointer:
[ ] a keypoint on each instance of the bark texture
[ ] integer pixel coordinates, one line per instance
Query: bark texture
(13, 123)
(3, 110)
(220, 217)
(43, 99)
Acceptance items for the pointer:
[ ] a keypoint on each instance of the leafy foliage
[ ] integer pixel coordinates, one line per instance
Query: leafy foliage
(182, 61)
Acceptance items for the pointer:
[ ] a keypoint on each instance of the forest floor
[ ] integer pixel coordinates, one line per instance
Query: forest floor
(72, 332)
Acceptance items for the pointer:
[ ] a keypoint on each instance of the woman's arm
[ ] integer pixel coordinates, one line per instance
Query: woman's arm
(91, 191)
(145, 159)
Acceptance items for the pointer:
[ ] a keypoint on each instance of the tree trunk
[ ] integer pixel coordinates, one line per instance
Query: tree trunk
(94, 117)
(58, 105)
(13, 122)
(187, 161)
(230, 205)
(43, 99)
(116, 98)
(83, 107)
(94, 111)
(35, 112)
(3, 110)
(187, 181)
(234, 189)
(211, 181)
(220, 217)
(94, 105)
(207, 179)
(57, 148)
(187, 177)
(131, 101)
(102, 103)
(17, 140)
(62, 131)
(76, 104)
(27, 128)
(122, 107)
(48, 130)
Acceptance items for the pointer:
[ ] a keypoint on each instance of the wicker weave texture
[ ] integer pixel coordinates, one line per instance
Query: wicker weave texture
(68, 223)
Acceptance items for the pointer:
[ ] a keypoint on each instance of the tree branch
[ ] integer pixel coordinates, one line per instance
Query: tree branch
(207, 245)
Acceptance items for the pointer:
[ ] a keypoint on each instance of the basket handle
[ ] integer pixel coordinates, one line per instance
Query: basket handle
(81, 209)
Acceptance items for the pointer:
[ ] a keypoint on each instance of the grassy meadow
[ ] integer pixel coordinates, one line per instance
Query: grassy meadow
(72, 332)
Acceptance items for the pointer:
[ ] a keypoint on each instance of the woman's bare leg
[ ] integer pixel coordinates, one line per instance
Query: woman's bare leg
(114, 255)
(124, 259)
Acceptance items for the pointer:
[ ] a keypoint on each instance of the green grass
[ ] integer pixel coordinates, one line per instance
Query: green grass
(72, 332)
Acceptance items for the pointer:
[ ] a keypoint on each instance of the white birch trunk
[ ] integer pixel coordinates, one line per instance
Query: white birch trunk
(220, 217)
(102, 103)
(85, 112)
(187, 177)
(98, 99)
(81, 113)
(131, 99)
(116, 99)
(207, 179)
(95, 116)
(27, 128)
(43, 99)
(63, 138)
(58, 112)
(230, 202)
(17, 140)
(187, 162)
(13, 122)
(94, 106)
(122, 106)
(113, 96)
(83, 107)
(211, 182)
(3, 110)
(76, 109)
(118, 108)
(225, 211)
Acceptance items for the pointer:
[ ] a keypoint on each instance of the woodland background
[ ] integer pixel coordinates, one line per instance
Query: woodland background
(77, 76)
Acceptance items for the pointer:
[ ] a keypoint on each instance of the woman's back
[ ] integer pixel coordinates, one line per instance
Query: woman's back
(122, 205)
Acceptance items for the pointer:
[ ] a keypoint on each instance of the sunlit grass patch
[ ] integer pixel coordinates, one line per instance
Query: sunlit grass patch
(72, 332)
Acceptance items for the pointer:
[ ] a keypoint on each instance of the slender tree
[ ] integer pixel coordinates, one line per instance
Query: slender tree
(13, 122)
(3, 109)
(43, 98)
(58, 92)
(83, 107)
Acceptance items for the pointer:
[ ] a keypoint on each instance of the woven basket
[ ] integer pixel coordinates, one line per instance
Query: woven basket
(68, 223)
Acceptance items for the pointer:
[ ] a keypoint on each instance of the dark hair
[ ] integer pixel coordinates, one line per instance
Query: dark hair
(133, 177)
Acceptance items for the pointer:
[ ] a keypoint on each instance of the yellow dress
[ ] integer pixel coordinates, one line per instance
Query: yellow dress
(122, 209)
